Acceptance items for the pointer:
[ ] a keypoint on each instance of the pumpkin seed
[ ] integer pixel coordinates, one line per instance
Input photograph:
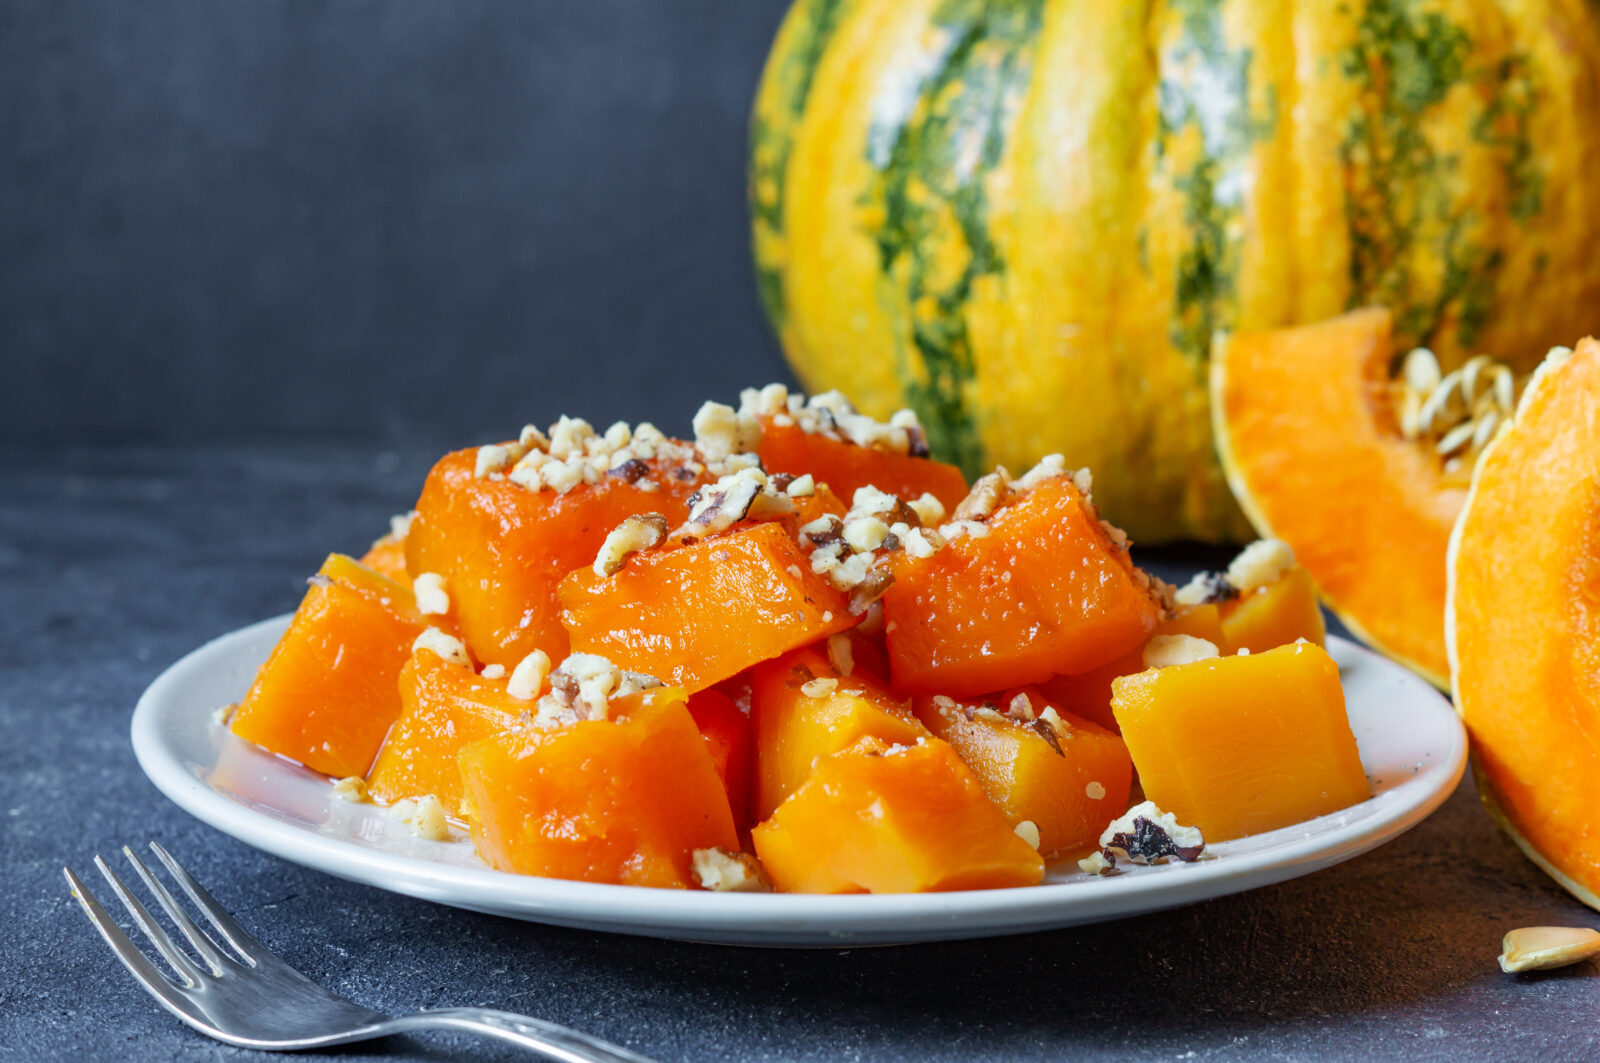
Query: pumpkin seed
(1539, 948)
(1421, 370)
(1455, 439)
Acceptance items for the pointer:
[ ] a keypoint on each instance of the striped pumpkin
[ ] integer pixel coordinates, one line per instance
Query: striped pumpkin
(1027, 219)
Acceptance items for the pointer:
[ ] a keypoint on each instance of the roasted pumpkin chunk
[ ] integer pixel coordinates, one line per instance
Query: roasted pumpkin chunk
(327, 694)
(805, 708)
(445, 706)
(1275, 615)
(703, 611)
(1243, 744)
(727, 732)
(1066, 776)
(877, 818)
(625, 800)
(1088, 694)
(846, 466)
(1040, 589)
(502, 548)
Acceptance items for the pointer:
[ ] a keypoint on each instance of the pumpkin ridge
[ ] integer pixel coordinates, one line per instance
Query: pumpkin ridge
(810, 24)
(933, 242)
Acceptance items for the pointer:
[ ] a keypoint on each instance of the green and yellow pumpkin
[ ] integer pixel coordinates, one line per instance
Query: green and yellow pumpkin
(1027, 219)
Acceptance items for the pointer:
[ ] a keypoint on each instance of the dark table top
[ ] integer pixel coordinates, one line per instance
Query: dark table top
(113, 563)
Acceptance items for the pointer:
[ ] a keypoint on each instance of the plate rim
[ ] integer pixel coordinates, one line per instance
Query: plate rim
(782, 919)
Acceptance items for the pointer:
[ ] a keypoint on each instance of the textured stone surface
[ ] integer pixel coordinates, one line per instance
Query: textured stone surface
(115, 563)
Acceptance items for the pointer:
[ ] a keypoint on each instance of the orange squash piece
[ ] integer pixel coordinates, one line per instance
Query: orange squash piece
(1065, 775)
(728, 736)
(799, 720)
(327, 694)
(625, 800)
(1240, 745)
(1045, 592)
(1088, 694)
(698, 613)
(877, 818)
(387, 557)
(445, 706)
(1309, 434)
(845, 466)
(1523, 619)
(1275, 615)
(503, 549)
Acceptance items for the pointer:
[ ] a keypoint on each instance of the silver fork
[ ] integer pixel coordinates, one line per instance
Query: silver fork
(249, 997)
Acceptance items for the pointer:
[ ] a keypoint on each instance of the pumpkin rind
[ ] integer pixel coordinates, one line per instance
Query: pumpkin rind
(1026, 219)
(1523, 620)
(1314, 454)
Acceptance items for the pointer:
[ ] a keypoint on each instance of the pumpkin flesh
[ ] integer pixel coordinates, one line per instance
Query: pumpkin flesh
(1305, 427)
(1524, 621)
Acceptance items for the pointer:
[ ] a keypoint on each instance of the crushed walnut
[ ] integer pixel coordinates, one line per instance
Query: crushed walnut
(425, 816)
(582, 688)
(573, 454)
(831, 414)
(639, 532)
(841, 654)
(1144, 835)
(528, 677)
(352, 788)
(723, 871)
(1165, 651)
(446, 646)
(747, 494)
(432, 599)
(1258, 565)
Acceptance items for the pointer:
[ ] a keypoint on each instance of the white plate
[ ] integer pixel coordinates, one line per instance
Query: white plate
(1412, 746)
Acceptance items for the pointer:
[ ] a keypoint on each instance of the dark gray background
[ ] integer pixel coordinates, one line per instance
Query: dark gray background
(394, 221)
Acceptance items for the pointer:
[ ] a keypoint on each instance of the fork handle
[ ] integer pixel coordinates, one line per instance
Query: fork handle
(546, 1038)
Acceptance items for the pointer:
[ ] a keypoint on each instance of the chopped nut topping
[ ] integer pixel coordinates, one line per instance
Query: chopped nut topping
(801, 486)
(400, 525)
(1206, 588)
(929, 510)
(430, 594)
(720, 432)
(743, 495)
(1021, 708)
(424, 815)
(493, 671)
(1049, 467)
(1028, 831)
(726, 872)
(955, 529)
(1146, 835)
(985, 496)
(639, 532)
(819, 688)
(496, 457)
(583, 688)
(352, 788)
(841, 654)
(1263, 562)
(528, 677)
(1096, 864)
(865, 534)
(446, 646)
(1540, 948)
(1165, 651)
(832, 415)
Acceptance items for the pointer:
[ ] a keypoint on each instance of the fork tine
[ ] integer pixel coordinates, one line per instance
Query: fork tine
(197, 937)
(144, 972)
(237, 936)
(158, 937)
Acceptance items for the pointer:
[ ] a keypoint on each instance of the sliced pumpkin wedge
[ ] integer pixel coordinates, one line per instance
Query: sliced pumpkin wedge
(1359, 463)
(1523, 620)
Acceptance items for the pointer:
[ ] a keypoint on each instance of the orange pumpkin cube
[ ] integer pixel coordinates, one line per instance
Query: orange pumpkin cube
(1065, 775)
(503, 549)
(845, 466)
(327, 694)
(445, 706)
(704, 611)
(625, 800)
(1239, 745)
(1275, 615)
(877, 818)
(387, 557)
(727, 732)
(1045, 592)
(804, 709)
(1088, 694)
